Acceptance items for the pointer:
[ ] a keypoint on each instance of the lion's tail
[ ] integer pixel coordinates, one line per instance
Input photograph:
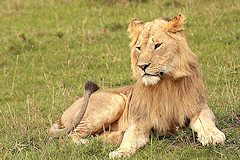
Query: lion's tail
(57, 131)
(55, 128)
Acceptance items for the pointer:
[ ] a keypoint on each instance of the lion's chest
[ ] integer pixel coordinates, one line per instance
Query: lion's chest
(161, 111)
(165, 105)
(165, 117)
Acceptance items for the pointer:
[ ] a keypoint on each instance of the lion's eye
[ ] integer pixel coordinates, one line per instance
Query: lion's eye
(157, 45)
(138, 49)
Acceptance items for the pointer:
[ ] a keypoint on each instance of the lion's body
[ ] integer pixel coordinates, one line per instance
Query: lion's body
(168, 92)
(105, 108)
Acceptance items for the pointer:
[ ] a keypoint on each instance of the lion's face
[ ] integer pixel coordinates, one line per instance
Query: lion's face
(153, 52)
(156, 49)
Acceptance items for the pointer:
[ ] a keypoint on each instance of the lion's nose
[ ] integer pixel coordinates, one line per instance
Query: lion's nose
(144, 66)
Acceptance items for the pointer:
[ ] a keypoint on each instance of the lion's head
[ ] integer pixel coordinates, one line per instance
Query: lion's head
(160, 48)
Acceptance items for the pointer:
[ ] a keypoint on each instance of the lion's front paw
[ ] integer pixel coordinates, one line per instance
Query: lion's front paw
(211, 136)
(119, 153)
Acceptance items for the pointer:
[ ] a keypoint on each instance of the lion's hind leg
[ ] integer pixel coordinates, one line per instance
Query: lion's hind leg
(78, 139)
(114, 137)
(103, 109)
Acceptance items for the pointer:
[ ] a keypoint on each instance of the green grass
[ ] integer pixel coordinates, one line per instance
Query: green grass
(50, 49)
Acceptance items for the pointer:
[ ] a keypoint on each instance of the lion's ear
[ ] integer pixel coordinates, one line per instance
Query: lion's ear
(135, 28)
(176, 25)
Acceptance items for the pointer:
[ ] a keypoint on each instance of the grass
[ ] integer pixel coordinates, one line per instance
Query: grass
(50, 49)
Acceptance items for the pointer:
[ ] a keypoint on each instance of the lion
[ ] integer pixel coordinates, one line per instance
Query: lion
(169, 92)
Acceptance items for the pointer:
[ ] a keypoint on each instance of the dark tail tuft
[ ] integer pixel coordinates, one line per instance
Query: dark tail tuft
(90, 86)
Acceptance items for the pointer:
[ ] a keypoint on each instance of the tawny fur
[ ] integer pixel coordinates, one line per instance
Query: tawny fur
(169, 90)
(170, 104)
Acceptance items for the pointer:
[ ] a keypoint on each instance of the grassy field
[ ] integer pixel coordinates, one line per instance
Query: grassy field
(49, 49)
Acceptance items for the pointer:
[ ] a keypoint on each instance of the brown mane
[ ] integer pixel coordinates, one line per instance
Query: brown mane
(174, 98)
(169, 102)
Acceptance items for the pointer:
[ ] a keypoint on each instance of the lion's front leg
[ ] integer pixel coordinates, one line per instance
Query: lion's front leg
(136, 136)
(203, 123)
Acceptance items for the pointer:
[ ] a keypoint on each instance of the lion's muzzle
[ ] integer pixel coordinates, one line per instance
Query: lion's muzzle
(160, 74)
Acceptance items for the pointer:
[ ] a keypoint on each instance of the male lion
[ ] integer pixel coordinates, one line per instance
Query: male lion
(169, 91)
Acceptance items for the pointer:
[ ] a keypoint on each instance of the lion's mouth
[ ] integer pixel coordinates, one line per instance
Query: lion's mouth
(160, 74)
